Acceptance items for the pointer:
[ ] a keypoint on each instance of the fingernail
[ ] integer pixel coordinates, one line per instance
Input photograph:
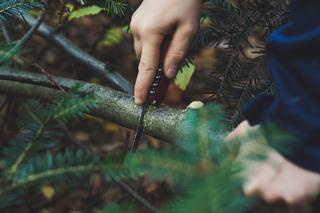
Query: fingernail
(171, 72)
(138, 101)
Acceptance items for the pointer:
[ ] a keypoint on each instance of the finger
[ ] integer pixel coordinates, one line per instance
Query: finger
(241, 129)
(148, 65)
(259, 179)
(137, 48)
(177, 50)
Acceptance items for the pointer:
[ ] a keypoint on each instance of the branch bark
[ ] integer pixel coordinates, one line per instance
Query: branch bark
(160, 122)
(117, 80)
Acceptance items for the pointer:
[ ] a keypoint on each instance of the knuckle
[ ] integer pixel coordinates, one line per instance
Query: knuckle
(134, 26)
(251, 187)
(270, 196)
(146, 29)
(190, 29)
(177, 55)
(145, 67)
(295, 199)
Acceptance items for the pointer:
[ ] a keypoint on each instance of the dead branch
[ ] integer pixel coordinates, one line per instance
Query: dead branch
(117, 80)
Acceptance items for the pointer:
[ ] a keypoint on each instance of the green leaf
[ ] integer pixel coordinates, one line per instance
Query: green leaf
(86, 11)
(184, 76)
(112, 37)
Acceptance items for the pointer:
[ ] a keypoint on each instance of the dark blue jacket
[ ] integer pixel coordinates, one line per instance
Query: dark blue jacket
(293, 54)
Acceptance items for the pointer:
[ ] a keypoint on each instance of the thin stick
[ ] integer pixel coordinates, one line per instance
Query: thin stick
(48, 75)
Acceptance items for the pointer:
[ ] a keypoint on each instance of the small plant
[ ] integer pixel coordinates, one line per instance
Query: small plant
(30, 157)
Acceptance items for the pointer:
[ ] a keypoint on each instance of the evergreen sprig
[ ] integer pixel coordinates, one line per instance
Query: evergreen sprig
(205, 169)
(29, 158)
(11, 8)
(39, 127)
(115, 7)
(56, 169)
(229, 26)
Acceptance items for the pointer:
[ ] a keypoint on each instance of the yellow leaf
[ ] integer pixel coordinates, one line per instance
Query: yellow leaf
(111, 128)
(112, 37)
(82, 136)
(48, 192)
(184, 76)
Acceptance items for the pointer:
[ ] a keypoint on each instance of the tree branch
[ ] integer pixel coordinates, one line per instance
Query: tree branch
(33, 28)
(118, 81)
(160, 122)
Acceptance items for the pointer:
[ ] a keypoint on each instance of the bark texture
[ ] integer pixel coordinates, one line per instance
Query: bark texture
(161, 122)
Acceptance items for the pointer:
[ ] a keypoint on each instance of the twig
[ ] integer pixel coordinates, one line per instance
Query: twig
(6, 114)
(136, 196)
(6, 34)
(50, 78)
(32, 30)
(97, 66)
(22, 41)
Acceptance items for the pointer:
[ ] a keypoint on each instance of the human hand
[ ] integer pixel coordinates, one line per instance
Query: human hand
(276, 179)
(151, 23)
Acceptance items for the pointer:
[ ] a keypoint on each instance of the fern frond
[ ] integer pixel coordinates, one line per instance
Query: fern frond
(71, 105)
(115, 7)
(9, 51)
(39, 124)
(55, 168)
(51, 168)
(10, 8)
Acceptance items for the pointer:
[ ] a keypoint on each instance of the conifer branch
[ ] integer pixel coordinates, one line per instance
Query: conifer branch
(13, 170)
(33, 28)
(161, 122)
(52, 173)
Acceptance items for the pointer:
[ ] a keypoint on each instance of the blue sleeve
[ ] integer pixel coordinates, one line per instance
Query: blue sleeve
(293, 55)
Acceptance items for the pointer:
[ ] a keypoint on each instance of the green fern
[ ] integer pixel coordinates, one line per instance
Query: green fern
(50, 168)
(115, 7)
(39, 124)
(26, 165)
(11, 8)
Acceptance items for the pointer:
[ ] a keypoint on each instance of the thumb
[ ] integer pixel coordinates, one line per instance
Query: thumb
(177, 50)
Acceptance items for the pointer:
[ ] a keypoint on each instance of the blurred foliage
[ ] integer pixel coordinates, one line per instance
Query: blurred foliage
(112, 37)
(91, 10)
(205, 170)
(11, 8)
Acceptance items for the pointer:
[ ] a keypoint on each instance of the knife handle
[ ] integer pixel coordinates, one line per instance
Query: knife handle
(158, 88)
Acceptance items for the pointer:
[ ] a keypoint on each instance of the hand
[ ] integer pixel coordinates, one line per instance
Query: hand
(276, 179)
(154, 20)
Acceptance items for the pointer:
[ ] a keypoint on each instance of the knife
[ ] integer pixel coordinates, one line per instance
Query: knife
(155, 97)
